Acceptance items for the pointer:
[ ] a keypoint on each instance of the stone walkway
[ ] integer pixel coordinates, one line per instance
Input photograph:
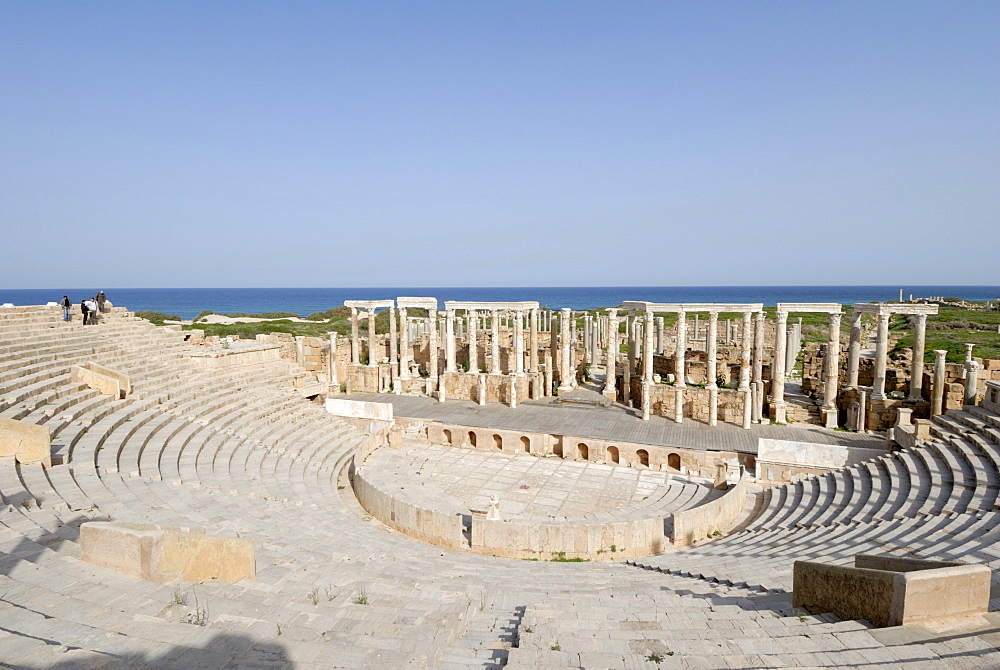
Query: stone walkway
(611, 423)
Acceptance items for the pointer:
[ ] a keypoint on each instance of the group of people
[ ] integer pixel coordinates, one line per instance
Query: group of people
(90, 307)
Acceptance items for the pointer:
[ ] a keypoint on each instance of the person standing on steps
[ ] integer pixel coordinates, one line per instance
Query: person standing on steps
(66, 305)
(101, 299)
(92, 308)
(85, 310)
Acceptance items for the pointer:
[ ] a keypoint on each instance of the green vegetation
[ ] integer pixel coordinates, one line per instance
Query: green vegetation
(247, 331)
(949, 330)
(157, 317)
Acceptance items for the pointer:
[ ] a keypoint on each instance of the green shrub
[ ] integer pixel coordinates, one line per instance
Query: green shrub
(157, 317)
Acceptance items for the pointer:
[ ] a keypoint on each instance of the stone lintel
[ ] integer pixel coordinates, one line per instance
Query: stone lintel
(691, 307)
(419, 303)
(452, 305)
(893, 308)
(369, 304)
(822, 307)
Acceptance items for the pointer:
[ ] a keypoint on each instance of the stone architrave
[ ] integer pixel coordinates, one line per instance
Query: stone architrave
(917, 373)
(473, 343)
(937, 393)
(495, 344)
(831, 374)
(612, 355)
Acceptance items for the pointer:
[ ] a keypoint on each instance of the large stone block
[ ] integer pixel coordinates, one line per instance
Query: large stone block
(890, 591)
(162, 554)
(105, 380)
(27, 442)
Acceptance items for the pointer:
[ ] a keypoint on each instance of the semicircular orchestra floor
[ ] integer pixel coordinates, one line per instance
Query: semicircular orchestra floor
(457, 479)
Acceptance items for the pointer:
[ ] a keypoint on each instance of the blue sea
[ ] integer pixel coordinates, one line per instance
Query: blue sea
(188, 302)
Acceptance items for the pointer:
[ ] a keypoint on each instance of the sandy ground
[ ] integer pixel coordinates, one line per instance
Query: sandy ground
(229, 320)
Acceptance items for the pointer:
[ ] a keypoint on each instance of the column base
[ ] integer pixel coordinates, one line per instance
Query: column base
(830, 417)
(779, 412)
(562, 390)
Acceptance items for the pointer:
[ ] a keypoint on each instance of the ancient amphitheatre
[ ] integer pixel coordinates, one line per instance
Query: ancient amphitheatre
(472, 489)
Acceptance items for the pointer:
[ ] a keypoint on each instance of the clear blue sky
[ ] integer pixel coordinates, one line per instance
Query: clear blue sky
(505, 143)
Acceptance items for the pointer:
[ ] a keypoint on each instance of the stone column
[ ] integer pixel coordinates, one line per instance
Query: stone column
(647, 348)
(473, 344)
(533, 341)
(778, 408)
(393, 348)
(659, 335)
(609, 363)
(757, 382)
(594, 345)
(404, 345)
(495, 344)
(518, 345)
(432, 365)
(334, 380)
(831, 367)
(566, 376)
(968, 351)
(854, 351)
(917, 373)
(547, 390)
(628, 360)
(372, 359)
(645, 400)
(482, 387)
(746, 344)
(355, 338)
(881, 353)
(711, 367)
(512, 393)
(680, 375)
(450, 366)
(937, 393)
(971, 381)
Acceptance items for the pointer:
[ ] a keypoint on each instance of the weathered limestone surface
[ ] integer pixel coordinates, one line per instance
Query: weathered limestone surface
(26, 442)
(893, 592)
(105, 380)
(162, 554)
(698, 523)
